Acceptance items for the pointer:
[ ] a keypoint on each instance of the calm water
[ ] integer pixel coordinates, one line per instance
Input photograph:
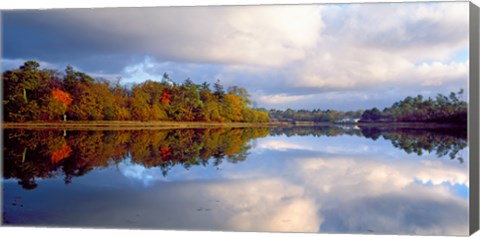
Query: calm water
(301, 179)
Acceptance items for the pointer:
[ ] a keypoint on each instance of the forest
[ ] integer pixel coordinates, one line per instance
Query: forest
(442, 109)
(316, 115)
(33, 94)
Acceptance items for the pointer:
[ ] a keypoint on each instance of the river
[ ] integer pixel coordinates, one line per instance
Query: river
(325, 179)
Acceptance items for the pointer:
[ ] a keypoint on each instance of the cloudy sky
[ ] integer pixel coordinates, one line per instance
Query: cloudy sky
(350, 56)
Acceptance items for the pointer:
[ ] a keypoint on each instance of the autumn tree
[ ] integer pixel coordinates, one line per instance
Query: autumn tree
(212, 107)
(59, 103)
(26, 91)
(33, 94)
(186, 103)
(121, 106)
(139, 102)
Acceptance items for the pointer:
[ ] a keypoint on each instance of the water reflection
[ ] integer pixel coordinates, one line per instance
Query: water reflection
(444, 141)
(327, 179)
(31, 154)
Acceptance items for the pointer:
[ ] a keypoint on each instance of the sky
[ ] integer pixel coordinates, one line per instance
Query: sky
(327, 56)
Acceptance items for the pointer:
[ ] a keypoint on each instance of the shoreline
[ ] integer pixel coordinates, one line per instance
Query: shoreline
(163, 125)
(130, 125)
(419, 125)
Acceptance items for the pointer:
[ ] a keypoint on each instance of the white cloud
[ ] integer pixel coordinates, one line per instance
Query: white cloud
(418, 30)
(351, 68)
(281, 98)
(257, 35)
(438, 73)
(353, 55)
(142, 71)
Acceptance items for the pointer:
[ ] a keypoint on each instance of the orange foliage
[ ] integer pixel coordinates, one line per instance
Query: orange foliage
(166, 153)
(166, 96)
(234, 104)
(61, 154)
(62, 96)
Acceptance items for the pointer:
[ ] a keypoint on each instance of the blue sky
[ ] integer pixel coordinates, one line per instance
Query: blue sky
(331, 56)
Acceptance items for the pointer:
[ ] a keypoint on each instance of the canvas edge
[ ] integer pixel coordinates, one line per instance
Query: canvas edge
(473, 117)
(1, 118)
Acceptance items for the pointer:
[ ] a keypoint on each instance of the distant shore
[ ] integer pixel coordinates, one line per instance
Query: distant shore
(431, 125)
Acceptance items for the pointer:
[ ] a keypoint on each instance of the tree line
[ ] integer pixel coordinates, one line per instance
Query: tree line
(316, 115)
(31, 94)
(442, 109)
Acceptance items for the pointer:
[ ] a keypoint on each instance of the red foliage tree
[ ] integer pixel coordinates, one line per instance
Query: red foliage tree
(166, 96)
(62, 96)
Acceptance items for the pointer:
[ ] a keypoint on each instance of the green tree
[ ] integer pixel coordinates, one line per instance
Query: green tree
(26, 91)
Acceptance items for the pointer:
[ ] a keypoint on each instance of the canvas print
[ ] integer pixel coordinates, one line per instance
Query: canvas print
(324, 118)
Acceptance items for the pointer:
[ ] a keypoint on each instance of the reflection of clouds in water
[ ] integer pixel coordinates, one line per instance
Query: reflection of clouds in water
(339, 192)
(319, 144)
(368, 175)
(279, 145)
(397, 213)
(266, 205)
(246, 204)
(360, 194)
(355, 193)
(350, 157)
(349, 195)
(440, 172)
(136, 171)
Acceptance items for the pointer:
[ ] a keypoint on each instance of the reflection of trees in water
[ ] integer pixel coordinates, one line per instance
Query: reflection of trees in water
(443, 141)
(29, 155)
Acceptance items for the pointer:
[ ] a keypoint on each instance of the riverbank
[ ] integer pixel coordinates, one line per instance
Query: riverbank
(130, 125)
(158, 125)
(413, 125)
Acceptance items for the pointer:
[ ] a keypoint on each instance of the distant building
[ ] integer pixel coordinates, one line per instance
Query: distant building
(348, 120)
(304, 123)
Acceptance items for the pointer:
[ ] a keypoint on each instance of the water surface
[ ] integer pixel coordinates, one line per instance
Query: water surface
(297, 179)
